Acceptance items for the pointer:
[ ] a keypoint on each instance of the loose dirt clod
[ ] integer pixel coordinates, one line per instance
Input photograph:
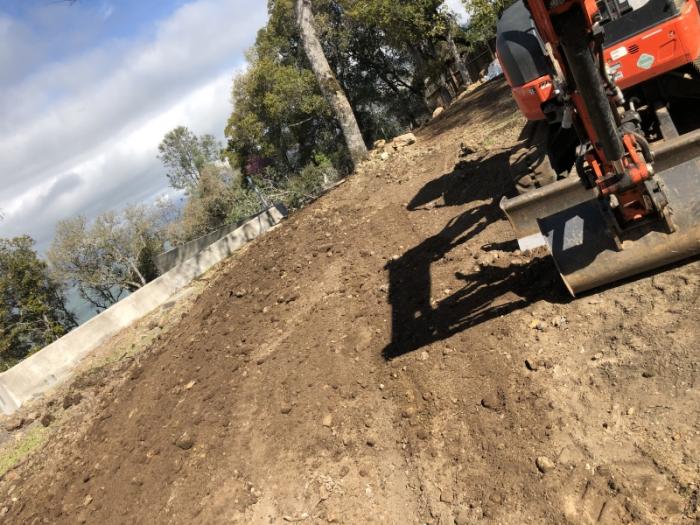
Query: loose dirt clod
(185, 441)
(544, 464)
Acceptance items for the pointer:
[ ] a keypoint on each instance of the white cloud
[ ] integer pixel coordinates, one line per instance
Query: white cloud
(457, 7)
(81, 136)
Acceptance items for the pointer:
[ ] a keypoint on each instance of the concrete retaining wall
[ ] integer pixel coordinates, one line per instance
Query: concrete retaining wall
(170, 259)
(55, 363)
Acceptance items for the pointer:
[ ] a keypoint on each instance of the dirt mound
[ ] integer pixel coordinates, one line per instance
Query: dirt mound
(388, 356)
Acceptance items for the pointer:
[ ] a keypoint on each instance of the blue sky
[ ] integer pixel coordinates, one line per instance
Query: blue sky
(88, 90)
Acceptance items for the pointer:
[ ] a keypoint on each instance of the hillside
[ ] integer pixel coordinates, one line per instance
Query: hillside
(386, 355)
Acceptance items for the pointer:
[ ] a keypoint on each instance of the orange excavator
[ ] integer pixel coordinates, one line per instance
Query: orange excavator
(608, 169)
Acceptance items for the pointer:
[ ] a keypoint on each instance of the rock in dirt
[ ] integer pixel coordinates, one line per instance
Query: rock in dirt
(537, 324)
(185, 441)
(286, 408)
(491, 402)
(14, 423)
(438, 111)
(463, 517)
(559, 321)
(544, 464)
(404, 140)
(72, 399)
(378, 144)
(532, 364)
(408, 412)
(327, 420)
(47, 419)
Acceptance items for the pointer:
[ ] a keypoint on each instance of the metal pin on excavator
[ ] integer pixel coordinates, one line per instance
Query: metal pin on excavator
(609, 168)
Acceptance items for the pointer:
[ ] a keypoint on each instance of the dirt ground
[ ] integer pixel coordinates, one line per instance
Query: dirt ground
(387, 355)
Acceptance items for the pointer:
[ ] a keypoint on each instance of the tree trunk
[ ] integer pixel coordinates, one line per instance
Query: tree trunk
(329, 85)
(458, 59)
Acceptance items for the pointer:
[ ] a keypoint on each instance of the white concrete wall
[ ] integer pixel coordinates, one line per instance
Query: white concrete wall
(55, 363)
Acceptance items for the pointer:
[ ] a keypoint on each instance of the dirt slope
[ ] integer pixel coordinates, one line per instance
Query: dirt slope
(387, 356)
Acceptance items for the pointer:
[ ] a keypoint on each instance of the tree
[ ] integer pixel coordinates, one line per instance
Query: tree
(185, 155)
(330, 87)
(483, 16)
(111, 257)
(33, 309)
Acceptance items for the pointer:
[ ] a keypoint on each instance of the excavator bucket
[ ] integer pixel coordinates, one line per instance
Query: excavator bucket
(570, 220)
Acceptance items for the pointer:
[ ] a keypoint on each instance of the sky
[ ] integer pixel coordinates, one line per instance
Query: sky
(87, 91)
(457, 7)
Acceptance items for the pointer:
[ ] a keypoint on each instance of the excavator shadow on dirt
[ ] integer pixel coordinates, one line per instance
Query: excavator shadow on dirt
(492, 291)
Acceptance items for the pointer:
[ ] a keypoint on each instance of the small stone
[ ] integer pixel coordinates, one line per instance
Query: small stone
(422, 434)
(363, 473)
(544, 464)
(536, 324)
(47, 419)
(532, 364)
(438, 111)
(72, 399)
(189, 385)
(424, 356)
(14, 423)
(631, 411)
(648, 373)
(559, 321)
(384, 156)
(491, 402)
(286, 408)
(87, 500)
(404, 140)
(370, 441)
(408, 412)
(327, 420)
(463, 518)
(185, 441)
(379, 144)
(446, 496)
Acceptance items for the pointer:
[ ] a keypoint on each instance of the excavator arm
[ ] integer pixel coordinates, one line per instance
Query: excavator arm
(618, 217)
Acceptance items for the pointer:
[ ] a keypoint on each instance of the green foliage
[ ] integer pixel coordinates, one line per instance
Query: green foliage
(185, 155)
(483, 16)
(309, 183)
(381, 52)
(112, 256)
(211, 204)
(14, 452)
(32, 306)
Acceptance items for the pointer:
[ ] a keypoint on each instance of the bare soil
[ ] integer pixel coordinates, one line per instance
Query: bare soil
(388, 356)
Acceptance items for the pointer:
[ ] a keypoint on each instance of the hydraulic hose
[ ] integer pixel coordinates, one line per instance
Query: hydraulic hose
(575, 43)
